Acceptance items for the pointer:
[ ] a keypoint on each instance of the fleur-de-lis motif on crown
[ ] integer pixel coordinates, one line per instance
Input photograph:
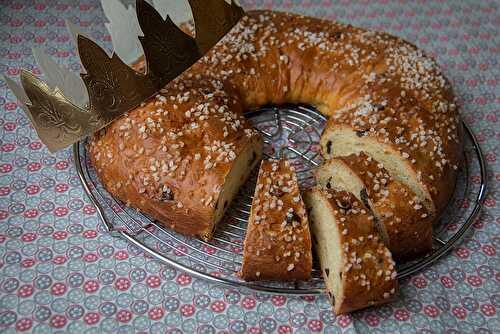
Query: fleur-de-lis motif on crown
(113, 87)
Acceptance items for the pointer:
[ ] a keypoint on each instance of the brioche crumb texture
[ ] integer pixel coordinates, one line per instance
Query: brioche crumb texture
(403, 221)
(357, 267)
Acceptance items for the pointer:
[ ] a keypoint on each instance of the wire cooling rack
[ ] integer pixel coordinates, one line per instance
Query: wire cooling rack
(292, 132)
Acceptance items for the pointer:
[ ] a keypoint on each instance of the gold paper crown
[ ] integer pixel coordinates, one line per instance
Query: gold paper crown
(113, 87)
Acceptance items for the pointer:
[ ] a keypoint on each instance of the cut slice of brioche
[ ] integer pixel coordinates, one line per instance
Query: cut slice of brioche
(277, 243)
(357, 267)
(403, 222)
(339, 140)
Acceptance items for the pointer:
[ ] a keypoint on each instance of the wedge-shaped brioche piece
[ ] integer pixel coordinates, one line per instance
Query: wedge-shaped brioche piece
(357, 267)
(403, 222)
(278, 242)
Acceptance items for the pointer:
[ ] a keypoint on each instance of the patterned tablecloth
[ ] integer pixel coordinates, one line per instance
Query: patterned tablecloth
(59, 272)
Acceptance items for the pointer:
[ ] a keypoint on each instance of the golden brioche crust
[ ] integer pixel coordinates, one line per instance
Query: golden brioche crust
(277, 243)
(377, 86)
(170, 158)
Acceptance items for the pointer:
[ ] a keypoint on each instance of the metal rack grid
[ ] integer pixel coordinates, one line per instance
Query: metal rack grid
(292, 132)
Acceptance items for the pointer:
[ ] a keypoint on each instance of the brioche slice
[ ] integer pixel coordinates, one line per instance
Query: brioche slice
(403, 222)
(340, 140)
(358, 269)
(277, 243)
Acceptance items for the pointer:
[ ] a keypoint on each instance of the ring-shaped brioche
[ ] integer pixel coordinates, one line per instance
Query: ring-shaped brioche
(384, 97)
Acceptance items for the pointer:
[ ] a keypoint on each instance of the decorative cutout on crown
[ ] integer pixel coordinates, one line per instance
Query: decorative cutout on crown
(67, 108)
